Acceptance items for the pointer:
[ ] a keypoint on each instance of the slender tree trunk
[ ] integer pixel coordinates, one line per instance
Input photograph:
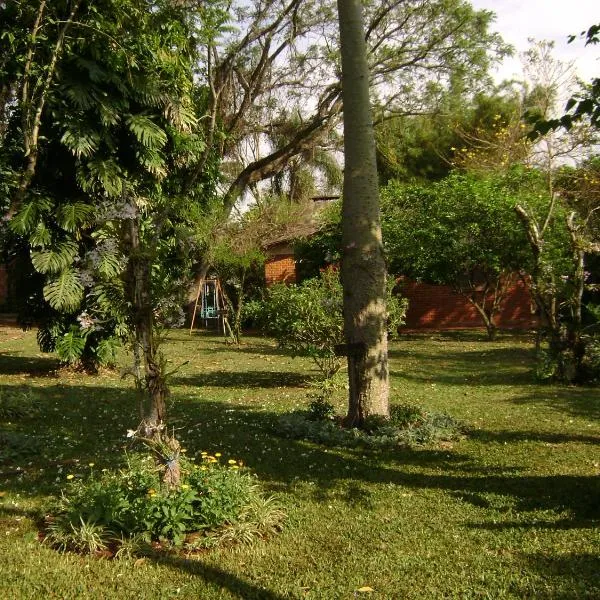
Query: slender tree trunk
(363, 266)
(152, 387)
(153, 390)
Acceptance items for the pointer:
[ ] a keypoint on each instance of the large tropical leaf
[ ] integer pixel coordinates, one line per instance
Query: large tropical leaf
(65, 292)
(70, 345)
(55, 259)
(146, 131)
(81, 141)
(28, 216)
(71, 217)
(103, 176)
(41, 236)
(153, 161)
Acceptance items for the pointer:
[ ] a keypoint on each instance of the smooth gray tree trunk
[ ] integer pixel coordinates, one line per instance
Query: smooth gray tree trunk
(363, 266)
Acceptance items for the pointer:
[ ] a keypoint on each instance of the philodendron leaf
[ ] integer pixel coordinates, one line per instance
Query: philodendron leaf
(56, 259)
(65, 292)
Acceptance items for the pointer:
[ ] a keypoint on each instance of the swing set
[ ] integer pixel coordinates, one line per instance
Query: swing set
(210, 305)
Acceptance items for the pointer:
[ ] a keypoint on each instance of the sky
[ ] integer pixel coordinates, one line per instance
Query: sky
(518, 20)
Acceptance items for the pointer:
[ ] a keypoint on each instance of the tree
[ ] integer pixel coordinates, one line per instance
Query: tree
(428, 147)
(363, 270)
(114, 133)
(584, 104)
(462, 232)
(273, 86)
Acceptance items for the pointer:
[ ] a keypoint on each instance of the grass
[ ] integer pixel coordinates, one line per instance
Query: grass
(513, 511)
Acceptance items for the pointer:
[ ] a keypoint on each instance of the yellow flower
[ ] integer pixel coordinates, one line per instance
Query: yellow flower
(217, 454)
(203, 468)
(234, 467)
(184, 486)
(231, 461)
(70, 476)
(204, 453)
(90, 464)
(184, 449)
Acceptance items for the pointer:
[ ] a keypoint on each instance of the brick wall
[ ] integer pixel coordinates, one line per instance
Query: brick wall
(280, 268)
(438, 307)
(431, 306)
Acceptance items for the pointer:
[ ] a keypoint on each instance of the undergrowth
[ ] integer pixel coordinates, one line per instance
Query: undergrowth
(131, 511)
(407, 426)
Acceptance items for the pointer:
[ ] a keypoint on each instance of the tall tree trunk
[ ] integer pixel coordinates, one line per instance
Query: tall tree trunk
(363, 266)
(153, 390)
(148, 370)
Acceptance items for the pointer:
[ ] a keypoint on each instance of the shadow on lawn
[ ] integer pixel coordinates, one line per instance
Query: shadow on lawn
(220, 579)
(575, 401)
(494, 366)
(507, 436)
(248, 434)
(12, 363)
(298, 468)
(244, 379)
(579, 575)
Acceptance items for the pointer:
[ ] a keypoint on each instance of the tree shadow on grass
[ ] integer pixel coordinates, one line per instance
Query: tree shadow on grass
(574, 401)
(299, 468)
(247, 433)
(282, 461)
(13, 363)
(220, 578)
(244, 379)
(509, 436)
(578, 575)
(494, 366)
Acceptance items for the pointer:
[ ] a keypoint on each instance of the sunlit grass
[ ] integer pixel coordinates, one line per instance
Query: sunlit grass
(510, 512)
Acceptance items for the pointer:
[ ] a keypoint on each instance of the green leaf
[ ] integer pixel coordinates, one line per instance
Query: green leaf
(70, 345)
(72, 217)
(146, 131)
(109, 265)
(41, 236)
(81, 142)
(65, 292)
(27, 218)
(54, 260)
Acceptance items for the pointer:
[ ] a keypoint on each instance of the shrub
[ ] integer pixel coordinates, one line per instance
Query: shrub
(408, 426)
(307, 319)
(129, 509)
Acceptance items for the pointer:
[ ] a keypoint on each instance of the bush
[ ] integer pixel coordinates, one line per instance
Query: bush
(127, 510)
(408, 426)
(307, 319)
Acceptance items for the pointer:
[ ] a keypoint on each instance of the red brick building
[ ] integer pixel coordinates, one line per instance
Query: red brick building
(439, 307)
(435, 307)
(280, 266)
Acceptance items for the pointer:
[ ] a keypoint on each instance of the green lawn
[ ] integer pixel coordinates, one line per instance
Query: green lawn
(512, 511)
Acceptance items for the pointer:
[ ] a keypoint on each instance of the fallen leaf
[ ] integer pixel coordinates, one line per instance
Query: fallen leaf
(139, 562)
(365, 589)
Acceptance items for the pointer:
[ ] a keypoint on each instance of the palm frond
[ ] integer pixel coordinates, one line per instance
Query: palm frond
(146, 131)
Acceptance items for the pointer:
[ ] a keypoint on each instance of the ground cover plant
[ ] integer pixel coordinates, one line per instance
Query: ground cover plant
(510, 511)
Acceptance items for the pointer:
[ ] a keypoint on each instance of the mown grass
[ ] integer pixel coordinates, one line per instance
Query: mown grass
(512, 511)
